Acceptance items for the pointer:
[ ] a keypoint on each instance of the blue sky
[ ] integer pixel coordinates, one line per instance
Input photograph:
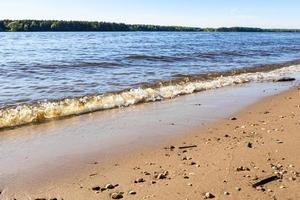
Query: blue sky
(200, 13)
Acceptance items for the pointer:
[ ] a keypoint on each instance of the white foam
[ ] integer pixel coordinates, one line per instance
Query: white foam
(25, 114)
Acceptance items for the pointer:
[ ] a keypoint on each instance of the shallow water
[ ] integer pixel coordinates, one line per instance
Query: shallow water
(43, 66)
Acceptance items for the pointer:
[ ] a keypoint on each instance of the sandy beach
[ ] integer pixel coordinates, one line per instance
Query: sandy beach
(254, 154)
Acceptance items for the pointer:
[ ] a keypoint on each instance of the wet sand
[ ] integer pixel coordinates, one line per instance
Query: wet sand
(228, 157)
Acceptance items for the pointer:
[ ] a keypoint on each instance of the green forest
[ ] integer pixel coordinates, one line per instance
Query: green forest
(65, 26)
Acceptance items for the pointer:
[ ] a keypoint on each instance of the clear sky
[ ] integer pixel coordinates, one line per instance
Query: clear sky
(199, 13)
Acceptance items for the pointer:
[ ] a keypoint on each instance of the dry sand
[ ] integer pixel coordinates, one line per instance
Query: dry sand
(230, 156)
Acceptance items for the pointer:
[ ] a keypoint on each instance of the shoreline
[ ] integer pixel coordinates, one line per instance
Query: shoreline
(18, 116)
(200, 169)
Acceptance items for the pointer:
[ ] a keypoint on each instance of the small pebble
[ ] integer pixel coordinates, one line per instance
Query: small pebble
(249, 145)
(117, 195)
(226, 193)
(131, 192)
(109, 186)
(209, 195)
(139, 180)
(96, 188)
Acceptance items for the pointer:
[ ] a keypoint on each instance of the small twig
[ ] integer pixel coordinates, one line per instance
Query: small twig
(186, 147)
(265, 181)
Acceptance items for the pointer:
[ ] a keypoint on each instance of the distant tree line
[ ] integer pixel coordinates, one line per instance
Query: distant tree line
(56, 26)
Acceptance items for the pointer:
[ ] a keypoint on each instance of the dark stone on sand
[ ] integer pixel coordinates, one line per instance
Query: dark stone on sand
(233, 118)
(186, 177)
(249, 145)
(117, 195)
(162, 175)
(208, 195)
(285, 79)
(109, 186)
(131, 192)
(139, 180)
(96, 188)
(193, 163)
(171, 147)
(240, 169)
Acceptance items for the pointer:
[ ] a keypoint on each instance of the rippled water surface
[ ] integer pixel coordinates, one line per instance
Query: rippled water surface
(40, 66)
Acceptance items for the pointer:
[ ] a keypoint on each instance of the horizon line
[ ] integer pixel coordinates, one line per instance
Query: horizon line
(161, 25)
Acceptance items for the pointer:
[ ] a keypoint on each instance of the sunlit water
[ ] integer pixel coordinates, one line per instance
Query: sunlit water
(39, 66)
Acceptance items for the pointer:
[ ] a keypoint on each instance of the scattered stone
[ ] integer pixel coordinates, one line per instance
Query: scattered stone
(153, 182)
(279, 142)
(171, 147)
(209, 195)
(193, 163)
(269, 190)
(260, 188)
(162, 175)
(117, 195)
(190, 184)
(109, 186)
(249, 145)
(186, 177)
(292, 179)
(94, 174)
(291, 166)
(139, 180)
(147, 173)
(238, 188)
(226, 193)
(96, 188)
(233, 118)
(282, 187)
(131, 192)
(240, 169)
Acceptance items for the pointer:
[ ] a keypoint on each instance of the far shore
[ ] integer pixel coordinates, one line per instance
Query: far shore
(254, 154)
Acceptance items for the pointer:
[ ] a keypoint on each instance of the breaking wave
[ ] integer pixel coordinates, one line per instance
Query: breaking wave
(43, 111)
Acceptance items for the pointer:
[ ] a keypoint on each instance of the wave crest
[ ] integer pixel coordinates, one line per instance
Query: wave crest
(44, 111)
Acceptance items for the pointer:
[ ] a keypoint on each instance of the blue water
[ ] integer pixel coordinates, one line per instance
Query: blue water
(41, 66)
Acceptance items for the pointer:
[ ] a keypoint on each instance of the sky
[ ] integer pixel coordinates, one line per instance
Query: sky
(196, 13)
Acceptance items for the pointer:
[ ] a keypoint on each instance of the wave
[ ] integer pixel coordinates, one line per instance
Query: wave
(11, 117)
(156, 58)
(79, 65)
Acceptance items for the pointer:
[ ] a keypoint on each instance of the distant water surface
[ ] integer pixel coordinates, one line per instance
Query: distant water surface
(43, 66)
